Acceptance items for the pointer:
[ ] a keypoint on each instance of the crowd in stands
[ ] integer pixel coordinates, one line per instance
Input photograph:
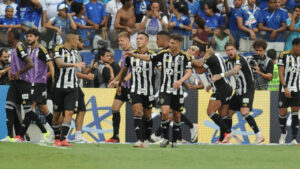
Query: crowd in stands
(212, 22)
(201, 22)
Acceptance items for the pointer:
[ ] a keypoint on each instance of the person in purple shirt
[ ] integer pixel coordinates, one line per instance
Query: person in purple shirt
(20, 85)
(42, 62)
(122, 91)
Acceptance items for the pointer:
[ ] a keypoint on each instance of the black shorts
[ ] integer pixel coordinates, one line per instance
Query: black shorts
(147, 101)
(19, 92)
(124, 97)
(39, 93)
(176, 102)
(81, 102)
(65, 99)
(222, 94)
(285, 102)
(238, 101)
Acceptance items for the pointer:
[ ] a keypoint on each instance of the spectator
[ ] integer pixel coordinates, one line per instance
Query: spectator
(30, 13)
(200, 36)
(293, 24)
(52, 8)
(104, 73)
(112, 8)
(61, 23)
(96, 17)
(221, 37)
(247, 20)
(69, 4)
(232, 19)
(80, 22)
(4, 67)
(7, 23)
(194, 8)
(153, 22)
(180, 22)
(272, 21)
(263, 4)
(125, 20)
(274, 83)
(5, 4)
(140, 7)
(213, 19)
(261, 65)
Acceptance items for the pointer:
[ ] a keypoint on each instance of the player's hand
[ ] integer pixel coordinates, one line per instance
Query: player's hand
(90, 76)
(177, 84)
(79, 65)
(287, 93)
(59, 32)
(209, 51)
(113, 83)
(215, 77)
(129, 53)
(256, 69)
(207, 89)
(16, 76)
(129, 30)
(119, 90)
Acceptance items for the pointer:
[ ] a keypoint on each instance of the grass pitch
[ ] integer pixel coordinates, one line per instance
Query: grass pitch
(124, 156)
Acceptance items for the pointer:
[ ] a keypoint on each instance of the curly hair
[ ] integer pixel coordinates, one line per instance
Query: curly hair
(260, 43)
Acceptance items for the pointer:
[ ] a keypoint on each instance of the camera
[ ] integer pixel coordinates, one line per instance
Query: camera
(255, 60)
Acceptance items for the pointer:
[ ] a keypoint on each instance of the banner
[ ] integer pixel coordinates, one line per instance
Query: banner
(209, 131)
(3, 128)
(97, 125)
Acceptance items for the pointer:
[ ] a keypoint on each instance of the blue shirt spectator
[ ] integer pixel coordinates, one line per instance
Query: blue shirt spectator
(140, 7)
(29, 13)
(271, 20)
(183, 20)
(215, 21)
(9, 21)
(249, 15)
(263, 4)
(293, 24)
(194, 7)
(95, 11)
(82, 31)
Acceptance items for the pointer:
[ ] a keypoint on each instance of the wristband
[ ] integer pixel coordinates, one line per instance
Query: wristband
(284, 86)
(222, 75)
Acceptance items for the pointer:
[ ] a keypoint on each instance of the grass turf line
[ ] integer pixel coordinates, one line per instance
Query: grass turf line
(117, 156)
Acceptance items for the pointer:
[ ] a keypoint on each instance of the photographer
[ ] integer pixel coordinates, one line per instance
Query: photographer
(104, 72)
(261, 65)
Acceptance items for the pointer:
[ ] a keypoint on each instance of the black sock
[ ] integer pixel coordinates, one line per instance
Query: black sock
(165, 124)
(295, 124)
(159, 131)
(17, 125)
(222, 132)
(218, 120)
(186, 121)
(282, 122)
(116, 118)
(148, 128)
(56, 130)
(26, 123)
(229, 122)
(65, 127)
(49, 118)
(176, 130)
(10, 119)
(38, 122)
(180, 134)
(138, 127)
(251, 122)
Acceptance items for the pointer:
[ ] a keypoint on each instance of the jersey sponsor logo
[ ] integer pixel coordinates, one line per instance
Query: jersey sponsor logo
(25, 96)
(246, 100)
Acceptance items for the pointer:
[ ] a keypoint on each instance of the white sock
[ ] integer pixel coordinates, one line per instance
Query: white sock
(78, 135)
(258, 134)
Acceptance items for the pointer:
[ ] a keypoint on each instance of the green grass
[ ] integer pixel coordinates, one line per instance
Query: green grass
(120, 156)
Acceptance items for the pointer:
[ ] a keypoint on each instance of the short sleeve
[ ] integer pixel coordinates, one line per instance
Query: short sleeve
(43, 54)
(127, 62)
(21, 52)
(187, 62)
(58, 52)
(270, 67)
(261, 19)
(281, 60)
(239, 13)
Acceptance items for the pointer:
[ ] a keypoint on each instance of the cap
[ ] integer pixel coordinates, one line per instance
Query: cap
(62, 6)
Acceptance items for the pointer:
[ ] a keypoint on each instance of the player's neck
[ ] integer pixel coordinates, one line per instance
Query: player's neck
(175, 52)
(68, 46)
(142, 50)
(14, 43)
(127, 48)
(34, 45)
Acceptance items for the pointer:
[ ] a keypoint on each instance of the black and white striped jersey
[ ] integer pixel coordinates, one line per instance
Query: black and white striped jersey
(142, 77)
(215, 64)
(65, 77)
(291, 71)
(244, 78)
(172, 69)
